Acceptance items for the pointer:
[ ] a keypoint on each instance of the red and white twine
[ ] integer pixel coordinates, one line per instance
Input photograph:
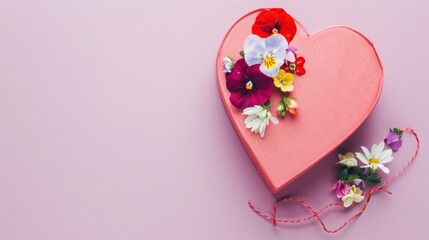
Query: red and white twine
(316, 214)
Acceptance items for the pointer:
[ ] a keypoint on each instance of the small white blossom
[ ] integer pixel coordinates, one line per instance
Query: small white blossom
(228, 64)
(347, 160)
(376, 158)
(258, 118)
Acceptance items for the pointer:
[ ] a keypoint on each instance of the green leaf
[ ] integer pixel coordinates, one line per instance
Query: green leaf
(268, 103)
(373, 179)
(286, 101)
(344, 174)
(397, 131)
(354, 176)
(242, 53)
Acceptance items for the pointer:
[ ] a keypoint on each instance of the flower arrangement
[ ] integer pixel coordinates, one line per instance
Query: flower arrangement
(354, 177)
(268, 64)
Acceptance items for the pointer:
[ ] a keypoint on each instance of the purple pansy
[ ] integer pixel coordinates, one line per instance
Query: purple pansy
(248, 85)
(394, 140)
(359, 182)
(341, 188)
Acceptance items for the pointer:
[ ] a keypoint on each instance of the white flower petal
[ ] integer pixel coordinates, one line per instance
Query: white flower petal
(348, 162)
(252, 58)
(263, 114)
(278, 44)
(379, 150)
(252, 123)
(248, 111)
(255, 124)
(386, 160)
(274, 120)
(252, 110)
(373, 150)
(362, 158)
(383, 168)
(385, 155)
(249, 119)
(254, 47)
(258, 119)
(366, 152)
(273, 71)
(262, 128)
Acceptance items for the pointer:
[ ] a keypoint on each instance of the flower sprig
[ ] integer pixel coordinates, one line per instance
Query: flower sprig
(394, 139)
(258, 118)
(354, 177)
(268, 62)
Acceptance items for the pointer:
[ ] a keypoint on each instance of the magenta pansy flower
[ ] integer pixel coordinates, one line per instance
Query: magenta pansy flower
(394, 140)
(341, 188)
(248, 85)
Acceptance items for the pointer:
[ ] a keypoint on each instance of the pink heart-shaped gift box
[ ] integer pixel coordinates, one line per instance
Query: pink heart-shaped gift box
(341, 87)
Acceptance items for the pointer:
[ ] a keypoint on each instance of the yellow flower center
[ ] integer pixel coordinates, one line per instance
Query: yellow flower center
(374, 161)
(249, 85)
(275, 31)
(269, 62)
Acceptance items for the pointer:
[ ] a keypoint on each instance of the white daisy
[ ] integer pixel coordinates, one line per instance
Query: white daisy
(258, 118)
(269, 52)
(376, 158)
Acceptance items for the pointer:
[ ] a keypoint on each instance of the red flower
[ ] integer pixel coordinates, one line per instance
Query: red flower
(272, 21)
(299, 66)
(296, 67)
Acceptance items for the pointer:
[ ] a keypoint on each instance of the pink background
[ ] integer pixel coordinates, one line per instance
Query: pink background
(111, 125)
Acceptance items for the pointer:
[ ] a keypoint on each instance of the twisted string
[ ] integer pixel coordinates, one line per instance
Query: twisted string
(316, 214)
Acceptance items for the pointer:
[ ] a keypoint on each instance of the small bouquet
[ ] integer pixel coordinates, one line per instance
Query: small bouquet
(354, 177)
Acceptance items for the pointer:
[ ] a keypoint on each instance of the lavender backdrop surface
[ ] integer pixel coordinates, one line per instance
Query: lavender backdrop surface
(111, 126)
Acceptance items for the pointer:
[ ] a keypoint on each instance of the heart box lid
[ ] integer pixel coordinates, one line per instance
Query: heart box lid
(341, 86)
